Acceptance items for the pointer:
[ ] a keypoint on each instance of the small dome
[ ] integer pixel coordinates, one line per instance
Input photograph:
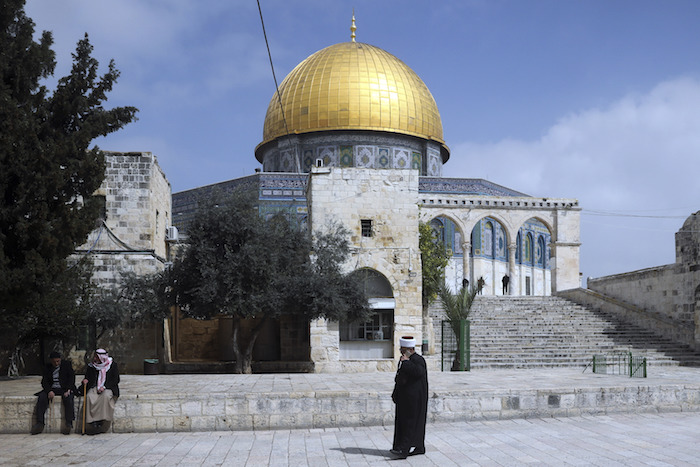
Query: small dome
(353, 86)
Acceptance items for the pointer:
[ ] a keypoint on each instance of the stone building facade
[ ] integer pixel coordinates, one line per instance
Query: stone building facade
(131, 237)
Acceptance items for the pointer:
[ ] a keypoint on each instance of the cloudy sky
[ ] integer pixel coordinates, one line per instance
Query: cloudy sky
(597, 100)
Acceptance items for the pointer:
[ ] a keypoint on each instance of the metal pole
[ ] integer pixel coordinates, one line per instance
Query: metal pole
(50, 414)
(84, 404)
(442, 350)
(462, 343)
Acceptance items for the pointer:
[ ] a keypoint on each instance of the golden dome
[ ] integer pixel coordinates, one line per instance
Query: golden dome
(353, 86)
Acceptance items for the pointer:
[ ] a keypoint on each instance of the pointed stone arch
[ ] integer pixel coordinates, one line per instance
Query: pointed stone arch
(533, 274)
(451, 233)
(490, 252)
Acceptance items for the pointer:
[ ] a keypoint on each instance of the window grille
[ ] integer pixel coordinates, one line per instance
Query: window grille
(366, 225)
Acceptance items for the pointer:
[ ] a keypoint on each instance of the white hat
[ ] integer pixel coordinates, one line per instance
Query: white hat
(407, 341)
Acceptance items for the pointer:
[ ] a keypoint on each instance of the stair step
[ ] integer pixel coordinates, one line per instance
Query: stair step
(525, 332)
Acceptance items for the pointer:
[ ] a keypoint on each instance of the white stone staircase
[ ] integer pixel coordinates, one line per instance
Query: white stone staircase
(536, 332)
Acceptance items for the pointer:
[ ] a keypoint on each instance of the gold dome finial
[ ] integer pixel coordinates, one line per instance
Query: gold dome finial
(353, 28)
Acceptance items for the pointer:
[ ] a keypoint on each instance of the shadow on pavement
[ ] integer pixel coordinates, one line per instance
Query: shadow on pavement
(366, 451)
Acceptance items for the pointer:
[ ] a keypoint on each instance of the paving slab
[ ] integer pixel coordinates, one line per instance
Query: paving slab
(666, 439)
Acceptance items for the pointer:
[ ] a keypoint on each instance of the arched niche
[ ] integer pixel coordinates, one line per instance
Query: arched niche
(372, 339)
(533, 258)
(448, 232)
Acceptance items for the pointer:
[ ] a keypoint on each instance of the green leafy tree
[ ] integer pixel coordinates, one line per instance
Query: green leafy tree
(243, 265)
(136, 299)
(48, 172)
(434, 259)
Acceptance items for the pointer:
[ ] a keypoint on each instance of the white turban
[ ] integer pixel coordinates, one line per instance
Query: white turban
(407, 341)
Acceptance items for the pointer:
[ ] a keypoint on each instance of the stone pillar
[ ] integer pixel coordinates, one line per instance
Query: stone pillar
(511, 269)
(466, 251)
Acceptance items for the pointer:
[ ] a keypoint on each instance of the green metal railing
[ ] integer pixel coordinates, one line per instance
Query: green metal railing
(620, 363)
(456, 348)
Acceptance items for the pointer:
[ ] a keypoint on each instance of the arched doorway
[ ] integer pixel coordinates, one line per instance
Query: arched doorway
(374, 338)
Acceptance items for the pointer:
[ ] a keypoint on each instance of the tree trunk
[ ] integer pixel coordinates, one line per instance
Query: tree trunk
(16, 363)
(242, 350)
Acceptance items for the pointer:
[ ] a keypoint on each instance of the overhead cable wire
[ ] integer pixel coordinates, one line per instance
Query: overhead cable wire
(621, 214)
(272, 67)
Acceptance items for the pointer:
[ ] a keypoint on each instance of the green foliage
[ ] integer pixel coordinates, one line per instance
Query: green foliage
(434, 259)
(136, 299)
(48, 173)
(457, 306)
(243, 265)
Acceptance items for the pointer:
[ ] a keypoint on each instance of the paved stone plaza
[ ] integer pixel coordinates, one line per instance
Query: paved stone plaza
(669, 439)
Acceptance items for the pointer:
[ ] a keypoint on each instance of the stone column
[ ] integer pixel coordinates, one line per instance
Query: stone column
(511, 268)
(466, 249)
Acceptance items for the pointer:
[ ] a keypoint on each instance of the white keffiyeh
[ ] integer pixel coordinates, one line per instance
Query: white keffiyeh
(102, 367)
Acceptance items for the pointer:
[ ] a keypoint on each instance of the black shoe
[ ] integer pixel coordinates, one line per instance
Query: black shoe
(37, 428)
(67, 428)
(417, 452)
(399, 454)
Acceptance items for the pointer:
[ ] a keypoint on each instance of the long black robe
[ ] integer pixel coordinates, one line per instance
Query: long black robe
(411, 398)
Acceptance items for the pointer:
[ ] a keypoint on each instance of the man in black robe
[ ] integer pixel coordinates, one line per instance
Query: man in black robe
(411, 398)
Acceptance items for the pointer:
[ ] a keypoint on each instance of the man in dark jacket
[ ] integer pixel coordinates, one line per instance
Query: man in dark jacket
(411, 398)
(58, 379)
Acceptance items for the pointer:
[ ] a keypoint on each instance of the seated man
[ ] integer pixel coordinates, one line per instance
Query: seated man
(58, 378)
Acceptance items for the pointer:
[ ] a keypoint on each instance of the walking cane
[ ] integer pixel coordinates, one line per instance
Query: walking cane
(50, 414)
(84, 404)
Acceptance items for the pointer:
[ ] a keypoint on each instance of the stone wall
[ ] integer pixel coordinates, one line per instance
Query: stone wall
(388, 200)
(628, 313)
(198, 340)
(666, 291)
(671, 292)
(131, 344)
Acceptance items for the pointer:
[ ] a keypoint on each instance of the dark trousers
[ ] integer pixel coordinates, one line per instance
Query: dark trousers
(42, 404)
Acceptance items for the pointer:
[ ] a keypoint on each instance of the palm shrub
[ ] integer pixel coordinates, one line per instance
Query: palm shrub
(457, 307)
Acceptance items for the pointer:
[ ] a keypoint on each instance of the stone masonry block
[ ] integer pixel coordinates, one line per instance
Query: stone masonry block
(214, 406)
(165, 424)
(166, 408)
(203, 423)
(323, 420)
(490, 404)
(181, 423)
(236, 406)
(192, 408)
(235, 422)
(144, 424)
(334, 405)
(136, 408)
(123, 425)
(297, 420)
(8, 410)
(261, 422)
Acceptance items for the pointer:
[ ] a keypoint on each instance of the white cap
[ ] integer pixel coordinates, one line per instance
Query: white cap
(407, 341)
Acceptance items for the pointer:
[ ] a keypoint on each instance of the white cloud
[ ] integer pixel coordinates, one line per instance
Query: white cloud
(640, 156)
